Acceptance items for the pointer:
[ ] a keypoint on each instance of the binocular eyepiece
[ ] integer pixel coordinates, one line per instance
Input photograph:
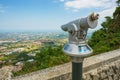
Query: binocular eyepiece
(78, 28)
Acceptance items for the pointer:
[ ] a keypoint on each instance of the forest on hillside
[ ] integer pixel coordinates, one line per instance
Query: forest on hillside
(108, 37)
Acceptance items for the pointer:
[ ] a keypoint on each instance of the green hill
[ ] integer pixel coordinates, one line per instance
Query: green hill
(108, 37)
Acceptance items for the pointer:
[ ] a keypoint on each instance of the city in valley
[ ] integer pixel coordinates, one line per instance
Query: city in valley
(16, 48)
(18, 51)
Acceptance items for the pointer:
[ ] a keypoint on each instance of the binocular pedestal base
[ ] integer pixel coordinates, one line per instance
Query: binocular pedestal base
(77, 71)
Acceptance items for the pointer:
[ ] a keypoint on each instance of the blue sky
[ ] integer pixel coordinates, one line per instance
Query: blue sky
(49, 14)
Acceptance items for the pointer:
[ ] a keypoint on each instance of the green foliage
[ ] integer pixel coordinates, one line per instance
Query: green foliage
(117, 11)
(108, 37)
(27, 68)
(46, 56)
(107, 23)
(23, 56)
(118, 2)
(97, 37)
(101, 49)
(50, 56)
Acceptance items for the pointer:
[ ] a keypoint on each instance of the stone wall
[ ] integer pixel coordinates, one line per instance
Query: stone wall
(107, 72)
(105, 66)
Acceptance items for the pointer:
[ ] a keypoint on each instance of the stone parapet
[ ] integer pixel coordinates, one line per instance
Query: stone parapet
(105, 66)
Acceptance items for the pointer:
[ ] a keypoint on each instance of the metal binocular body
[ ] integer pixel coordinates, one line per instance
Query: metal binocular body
(77, 30)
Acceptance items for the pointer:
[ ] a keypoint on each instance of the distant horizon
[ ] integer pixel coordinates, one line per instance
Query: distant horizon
(37, 31)
(31, 30)
(42, 30)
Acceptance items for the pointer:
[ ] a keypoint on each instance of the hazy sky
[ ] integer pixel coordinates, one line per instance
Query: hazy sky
(49, 14)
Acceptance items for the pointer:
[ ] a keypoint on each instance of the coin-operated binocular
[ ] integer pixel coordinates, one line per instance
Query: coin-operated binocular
(77, 46)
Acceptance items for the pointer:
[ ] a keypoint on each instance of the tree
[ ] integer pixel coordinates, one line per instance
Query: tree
(50, 56)
(107, 23)
(108, 37)
(117, 11)
(118, 2)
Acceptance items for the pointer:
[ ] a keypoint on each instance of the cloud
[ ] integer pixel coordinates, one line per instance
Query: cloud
(107, 12)
(80, 4)
(102, 7)
(105, 7)
(55, 1)
(62, 0)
